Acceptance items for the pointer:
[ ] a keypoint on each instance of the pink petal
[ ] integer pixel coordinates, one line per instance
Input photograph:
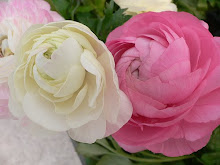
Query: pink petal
(179, 147)
(195, 131)
(134, 135)
(206, 109)
(170, 57)
(168, 93)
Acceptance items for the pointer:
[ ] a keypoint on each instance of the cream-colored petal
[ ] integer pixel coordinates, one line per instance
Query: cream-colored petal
(112, 100)
(27, 40)
(51, 98)
(124, 115)
(79, 28)
(67, 107)
(112, 97)
(15, 107)
(42, 112)
(18, 83)
(73, 81)
(89, 132)
(140, 6)
(7, 65)
(84, 114)
(29, 83)
(43, 83)
(62, 59)
(81, 39)
(92, 65)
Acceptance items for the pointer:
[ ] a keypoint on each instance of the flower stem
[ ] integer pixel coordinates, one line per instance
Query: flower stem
(138, 159)
(151, 155)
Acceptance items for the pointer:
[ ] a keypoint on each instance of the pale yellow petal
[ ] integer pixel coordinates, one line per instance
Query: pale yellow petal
(84, 114)
(92, 66)
(89, 132)
(67, 107)
(73, 81)
(42, 112)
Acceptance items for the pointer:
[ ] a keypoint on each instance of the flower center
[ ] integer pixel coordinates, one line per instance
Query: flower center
(4, 47)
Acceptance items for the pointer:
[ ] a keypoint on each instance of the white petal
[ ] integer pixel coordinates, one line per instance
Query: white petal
(67, 107)
(51, 98)
(44, 84)
(84, 114)
(81, 39)
(62, 59)
(18, 83)
(7, 65)
(15, 107)
(92, 65)
(112, 97)
(89, 132)
(42, 112)
(125, 113)
(73, 81)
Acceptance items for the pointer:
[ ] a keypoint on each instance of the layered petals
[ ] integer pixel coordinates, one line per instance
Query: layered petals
(66, 81)
(168, 65)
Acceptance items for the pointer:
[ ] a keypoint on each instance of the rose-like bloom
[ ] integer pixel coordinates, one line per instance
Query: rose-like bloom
(65, 80)
(168, 64)
(16, 16)
(141, 6)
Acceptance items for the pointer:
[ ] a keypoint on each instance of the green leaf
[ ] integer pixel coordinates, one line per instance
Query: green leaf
(51, 5)
(62, 6)
(91, 150)
(214, 143)
(100, 5)
(90, 161)
(114, 160)
(84, 9)
(88, 19)
(195, 7)
(104, 142)
(211, 158)
(113, 19)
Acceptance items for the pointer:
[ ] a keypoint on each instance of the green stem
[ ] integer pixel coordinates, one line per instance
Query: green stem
(151, 155)
(155, 160)
(137, 159)
(116, 146)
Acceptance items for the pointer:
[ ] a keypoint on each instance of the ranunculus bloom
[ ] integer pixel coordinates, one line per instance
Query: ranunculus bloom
(168, 64)
(16, 16)
(141, 6)
(66, 80)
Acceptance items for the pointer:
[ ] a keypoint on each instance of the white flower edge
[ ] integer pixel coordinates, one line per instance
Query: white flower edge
(140, 6)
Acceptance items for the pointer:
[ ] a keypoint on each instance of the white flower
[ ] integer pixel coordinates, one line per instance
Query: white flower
(65, 80)
(140, 6)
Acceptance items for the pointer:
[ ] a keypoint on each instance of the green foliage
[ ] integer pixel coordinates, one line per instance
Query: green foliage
(91, 150)
(114, 160)
(100, 16)
(198, 8)
(211, 158)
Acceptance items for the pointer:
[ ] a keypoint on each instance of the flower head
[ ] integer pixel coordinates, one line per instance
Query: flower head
(168, 64)
(65, 81)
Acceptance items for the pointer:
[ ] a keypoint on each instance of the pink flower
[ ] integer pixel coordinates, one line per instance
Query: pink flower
(16, 16)
(168, 64)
